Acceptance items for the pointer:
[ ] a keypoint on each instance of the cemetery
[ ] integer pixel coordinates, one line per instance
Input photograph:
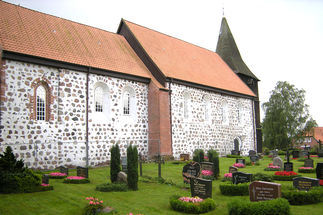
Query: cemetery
(207, 184)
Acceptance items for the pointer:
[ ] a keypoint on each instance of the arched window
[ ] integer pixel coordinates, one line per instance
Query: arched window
(41, 103)
(186, 106)
(225, 113)
(128, 107)
(98, 99)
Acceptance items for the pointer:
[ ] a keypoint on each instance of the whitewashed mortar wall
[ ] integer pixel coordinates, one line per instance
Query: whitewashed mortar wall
(61, 141)
(196, 133)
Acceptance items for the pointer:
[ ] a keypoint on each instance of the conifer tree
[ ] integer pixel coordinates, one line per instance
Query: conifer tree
(115, 163)
(132, 165)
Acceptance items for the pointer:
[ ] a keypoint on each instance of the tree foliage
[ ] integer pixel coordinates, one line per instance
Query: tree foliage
(115, 163)
(286, 116)
(132, 165)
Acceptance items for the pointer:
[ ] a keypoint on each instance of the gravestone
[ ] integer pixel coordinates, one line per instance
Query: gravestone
(252, 153)
(261, 191)
(304, 183)
(122, 177)
(236, 144)
(184, 157)
(275, 153)
(82, 171)
(288, 166)
(201, 188)
(233, 169)
(320, 153)
(241, 177)
(63, 169)
(45, 179)
(234, 152)
(295, 154)
(277, 161)
(207, 166)
(191, 170)
(124, 164)
(304, 154)
(240, 160)
(319, 171)
(308, 163)
(254, 158)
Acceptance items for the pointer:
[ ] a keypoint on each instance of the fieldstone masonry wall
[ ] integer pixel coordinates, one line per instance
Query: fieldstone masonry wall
(196, 132)
(62, 139)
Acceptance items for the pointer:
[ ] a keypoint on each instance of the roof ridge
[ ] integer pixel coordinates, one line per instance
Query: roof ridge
(19, 6)
(172, 37)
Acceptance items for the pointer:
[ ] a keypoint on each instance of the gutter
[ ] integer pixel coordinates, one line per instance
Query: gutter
(87, 119)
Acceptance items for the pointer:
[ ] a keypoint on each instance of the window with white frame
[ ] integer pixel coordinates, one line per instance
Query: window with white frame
(98, 99)
(126, 103)
(128, 107)
(41, 103)
(186, 106)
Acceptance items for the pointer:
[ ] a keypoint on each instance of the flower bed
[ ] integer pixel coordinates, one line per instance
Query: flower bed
(207, 174)
(57, 175)
(239, 165)
(76, 180)
(321, 182)
(285, 176)
(306, 169)
(314, 156)
(94, 206)
(227, 177)
(271, 167)
(194, 205)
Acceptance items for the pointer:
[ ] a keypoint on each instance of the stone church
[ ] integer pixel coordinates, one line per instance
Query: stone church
(70, 91)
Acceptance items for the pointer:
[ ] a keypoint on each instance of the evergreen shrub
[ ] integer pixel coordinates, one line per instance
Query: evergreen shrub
(229, 189)
(278, 206)
(112, 187)
(115, 163)
(190, 207)
(234, 156)
(198, 155)
(214, 158)
(262, 177)
(297, 197)
(132, 166)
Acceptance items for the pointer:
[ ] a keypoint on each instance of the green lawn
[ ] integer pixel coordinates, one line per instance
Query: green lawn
(150, 199)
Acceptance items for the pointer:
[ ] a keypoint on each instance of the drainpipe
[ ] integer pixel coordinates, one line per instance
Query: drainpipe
(170, 113)
(253, 125)
(87, 118)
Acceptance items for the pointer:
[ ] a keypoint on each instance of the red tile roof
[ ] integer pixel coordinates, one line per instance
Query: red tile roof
(33, 33)
(184, 61)
(318, 133)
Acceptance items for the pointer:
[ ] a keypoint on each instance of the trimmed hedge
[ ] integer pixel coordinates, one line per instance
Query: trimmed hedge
(278, 206)
(189, 207)
(78, 181)
(306, 170)
(297, 197)
(234, 156)
(262, 177)
(112, 187)
(285, 178)
(229, 189)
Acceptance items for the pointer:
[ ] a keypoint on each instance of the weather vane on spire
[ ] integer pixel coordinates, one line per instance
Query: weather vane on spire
(223, 8)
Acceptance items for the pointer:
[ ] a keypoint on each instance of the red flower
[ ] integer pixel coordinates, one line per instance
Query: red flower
(321, 182)
(285, 173)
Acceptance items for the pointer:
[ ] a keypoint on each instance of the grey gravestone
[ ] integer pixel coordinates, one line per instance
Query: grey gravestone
(201, 188)
(124, 164)
(319, 171)
(241, 177)
(240, 160)
(191, 170)
(233, 169)
(207, 166)
(122, 177)
(261, 191)
(184, 157)
(252, 153)
(63, 169)
(288, 166)
(275, 153)
(277, 161)
(45, 179)
(304, 183)
(295, 154)
(254, 158)
(308, 163)
(82, 171)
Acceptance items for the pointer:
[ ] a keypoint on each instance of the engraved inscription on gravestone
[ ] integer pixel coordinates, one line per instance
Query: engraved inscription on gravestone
(201, 188)
(82, 171)
(304, 183)
(288, 166)
(192, 169)
(241, 177)
(261, 191)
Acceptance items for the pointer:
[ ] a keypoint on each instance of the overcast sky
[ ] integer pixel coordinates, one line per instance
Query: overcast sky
(279, 40)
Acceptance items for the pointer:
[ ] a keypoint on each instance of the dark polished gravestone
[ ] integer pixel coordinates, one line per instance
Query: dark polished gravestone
(45, 179)
(261, 191)
(308, 163)
(233, 169)
(82, 171)
(288, 166)
(252, 153)
(201, 188)
(240, 160)
(124, 164)
(304, 183)
(63, 169)
(254, 158)
(295, 154)
(319, 171)
(191, 170)
(241, 177)
(207, 166)
(235, 152)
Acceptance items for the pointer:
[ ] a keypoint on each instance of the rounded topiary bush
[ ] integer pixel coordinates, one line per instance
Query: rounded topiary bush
(229, 189)
(297, 197)
(112, 187)
(278, 206)
(191, 205)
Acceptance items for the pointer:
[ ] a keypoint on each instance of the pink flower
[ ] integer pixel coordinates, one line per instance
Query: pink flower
(239, 165)
(101, 201)
(44, 185)
(274, 167)
(228, 175)
(207, 172)
(305, 167)
(75, 177)
(91, 202)
(57, 174)
(191, 199)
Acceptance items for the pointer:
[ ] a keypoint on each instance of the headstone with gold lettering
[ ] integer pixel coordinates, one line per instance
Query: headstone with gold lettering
(201, 188)
(304, 183)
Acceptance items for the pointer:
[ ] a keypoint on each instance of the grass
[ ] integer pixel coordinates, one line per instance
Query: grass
(151, 198)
